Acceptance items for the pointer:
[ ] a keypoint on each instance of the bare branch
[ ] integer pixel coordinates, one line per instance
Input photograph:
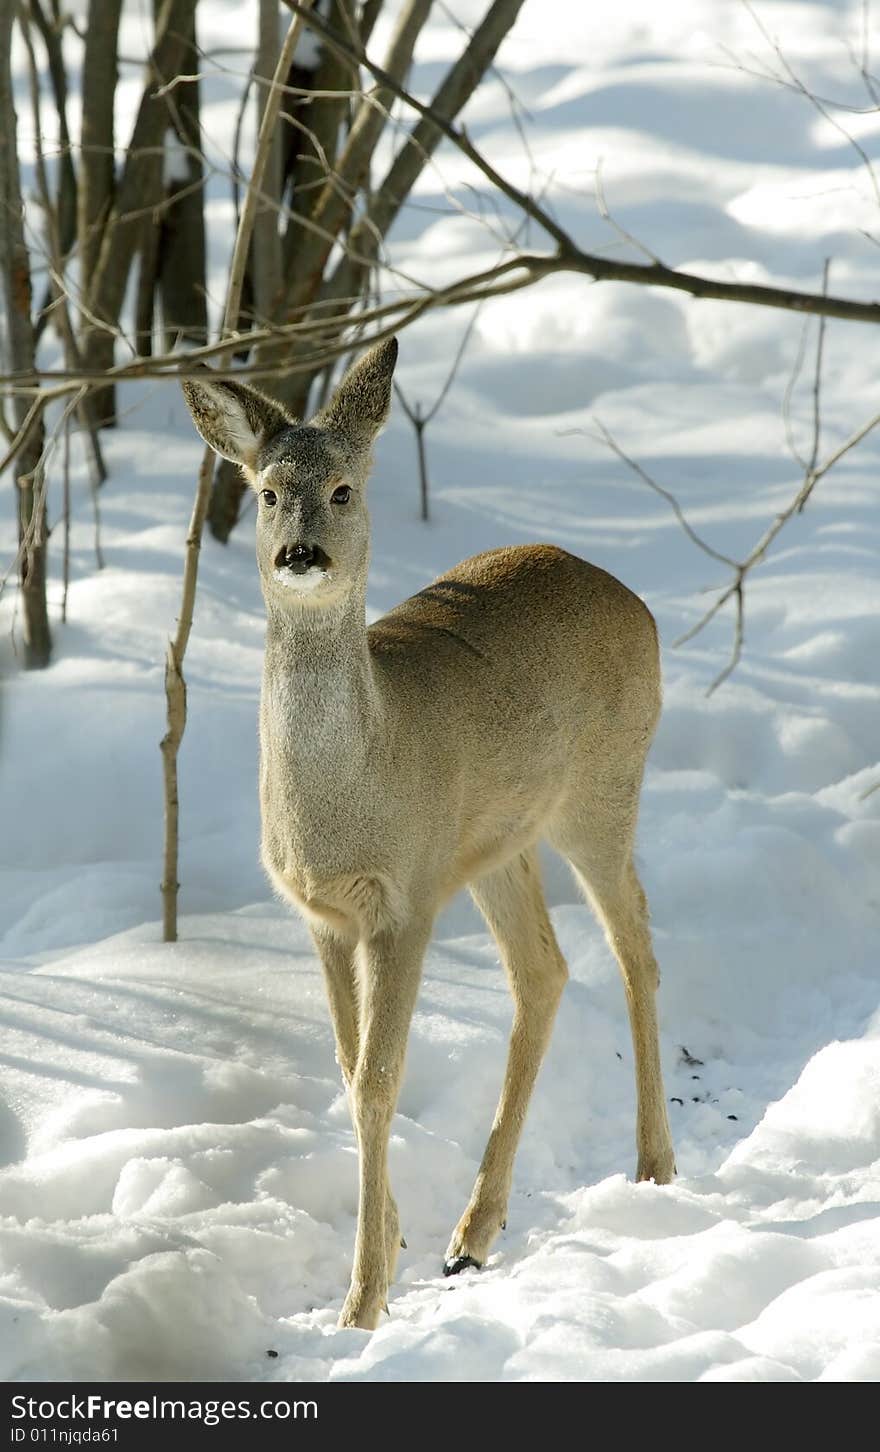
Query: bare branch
(759, 551)
(420, 420)
(570, 257)
(254, 191)
(57, 289)
(671, 500)
(814, 100)
(606, 216)
(788, 395)
(817, 389)
(65, 554)
(266, 269)
(865, 60)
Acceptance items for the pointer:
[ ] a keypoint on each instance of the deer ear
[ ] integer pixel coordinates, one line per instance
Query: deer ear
(235, 420)
(361, 403)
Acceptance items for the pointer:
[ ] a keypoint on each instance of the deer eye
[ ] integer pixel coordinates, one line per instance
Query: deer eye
(340, 495)
(269, 498)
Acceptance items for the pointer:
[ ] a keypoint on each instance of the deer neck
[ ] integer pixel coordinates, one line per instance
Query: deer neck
(320, 705)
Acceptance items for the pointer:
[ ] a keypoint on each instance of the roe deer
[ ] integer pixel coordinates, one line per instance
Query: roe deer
(514, 699)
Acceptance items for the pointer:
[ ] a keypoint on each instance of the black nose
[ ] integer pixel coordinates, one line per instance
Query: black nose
(298, 558)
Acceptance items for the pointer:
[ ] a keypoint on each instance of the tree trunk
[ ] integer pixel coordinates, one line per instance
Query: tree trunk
(390, 195)
(306, 155)
(349, 276)
(311, 193)
(97, 179)
(307, 252)
(182, 263)
(296, 171)
(369, 15)
(224, 506)
(122, 230)
(148, 278)
(50, 32)
(266, 246)
(333, 206)
(15, 281)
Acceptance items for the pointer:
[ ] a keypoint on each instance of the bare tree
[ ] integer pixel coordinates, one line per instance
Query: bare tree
(50, 27)
(344, 205)
(311, 115)
(319, 204)
(175, 229)
(96, 182)
(114, 215)
(18, 344)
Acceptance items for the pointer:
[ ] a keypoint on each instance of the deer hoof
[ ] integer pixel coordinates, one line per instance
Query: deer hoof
(459, 1263)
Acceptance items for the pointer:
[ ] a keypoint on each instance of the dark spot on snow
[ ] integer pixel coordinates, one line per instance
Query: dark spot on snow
(620, 1056)
(273, 1354)
(733, 1116)
(675, 1100)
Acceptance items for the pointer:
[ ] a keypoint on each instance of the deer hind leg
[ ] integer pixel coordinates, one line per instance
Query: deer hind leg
(512, 901)
(338, 961)
(389, 968)
(598, 844)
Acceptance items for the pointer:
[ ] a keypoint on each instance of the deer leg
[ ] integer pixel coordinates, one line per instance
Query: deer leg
(618, 899)
(389, 972)
(338, 961)
(512, 902)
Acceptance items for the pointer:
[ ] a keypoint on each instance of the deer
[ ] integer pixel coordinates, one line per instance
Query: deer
(512, 701)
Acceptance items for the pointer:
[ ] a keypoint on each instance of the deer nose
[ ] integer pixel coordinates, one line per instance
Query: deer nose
(298, 558)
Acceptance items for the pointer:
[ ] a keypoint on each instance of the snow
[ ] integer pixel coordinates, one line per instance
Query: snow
(178, 1191)
(175, 160)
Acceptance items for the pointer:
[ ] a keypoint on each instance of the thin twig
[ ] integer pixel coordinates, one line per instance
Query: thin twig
(96, 518)
(788, 395)
(606, 216)
(65, 558)
(761, 74)
(813, 99)
(817, 389)
(865, 64)
(736, 589)
(758, 552)
(235, 173)
(38, 475)
(670, 498)
(420, 420)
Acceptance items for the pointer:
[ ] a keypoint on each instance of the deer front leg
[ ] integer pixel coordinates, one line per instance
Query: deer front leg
(389, 970)
(337, 956)
(337, 961)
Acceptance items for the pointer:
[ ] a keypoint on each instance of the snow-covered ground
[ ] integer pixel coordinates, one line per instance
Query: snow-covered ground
(178, 1196)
